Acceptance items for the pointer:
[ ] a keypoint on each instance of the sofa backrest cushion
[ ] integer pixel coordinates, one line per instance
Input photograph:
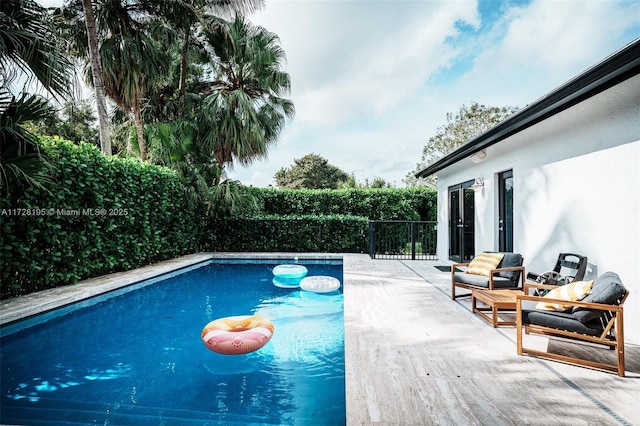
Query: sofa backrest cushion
(508, 261)
(607, 289)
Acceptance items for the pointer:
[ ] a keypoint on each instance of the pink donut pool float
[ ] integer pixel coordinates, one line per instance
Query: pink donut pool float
(237, 335)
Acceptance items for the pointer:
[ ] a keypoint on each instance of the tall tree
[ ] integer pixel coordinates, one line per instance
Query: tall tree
(96, 74)
(312, 172)
(129, 57)
(190, 17)
(467, 123)
(131, 60)
(245, 111)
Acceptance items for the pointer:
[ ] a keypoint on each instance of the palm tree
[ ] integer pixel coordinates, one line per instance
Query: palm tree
(234, 117)
(127, 78)
(188, 15)
(96, 73)
(246, 112)
(129, 58)
(28, 50)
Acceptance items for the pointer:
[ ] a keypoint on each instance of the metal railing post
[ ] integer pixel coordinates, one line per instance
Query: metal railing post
(413, 241)
(372, 239)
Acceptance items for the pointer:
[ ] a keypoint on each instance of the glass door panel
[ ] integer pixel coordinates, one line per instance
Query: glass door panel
(461, 222)
(505, 217)
(455, 224)
(469, 235)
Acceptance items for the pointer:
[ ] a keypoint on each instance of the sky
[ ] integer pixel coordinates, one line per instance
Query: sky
(372, 80)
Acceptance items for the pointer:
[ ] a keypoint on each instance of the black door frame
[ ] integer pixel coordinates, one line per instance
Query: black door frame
(505, 213)
(462, 222)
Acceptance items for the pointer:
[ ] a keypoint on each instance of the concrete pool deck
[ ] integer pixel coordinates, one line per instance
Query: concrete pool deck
(415, 357)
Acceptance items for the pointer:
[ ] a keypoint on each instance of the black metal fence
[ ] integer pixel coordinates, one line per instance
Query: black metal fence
(400, 239)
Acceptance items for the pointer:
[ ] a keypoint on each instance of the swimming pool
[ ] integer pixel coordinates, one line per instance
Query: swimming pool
(137, 357)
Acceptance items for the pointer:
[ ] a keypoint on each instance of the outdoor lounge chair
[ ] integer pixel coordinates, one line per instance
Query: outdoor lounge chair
(508, 274)
(569, 267)
(597, 318)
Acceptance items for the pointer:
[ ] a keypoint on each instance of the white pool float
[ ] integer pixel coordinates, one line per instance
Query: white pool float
(320, 284)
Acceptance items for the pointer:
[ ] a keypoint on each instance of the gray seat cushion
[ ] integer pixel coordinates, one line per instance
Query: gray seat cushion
(559, 320)
(501, 280)
(481, 280)
(607, 289)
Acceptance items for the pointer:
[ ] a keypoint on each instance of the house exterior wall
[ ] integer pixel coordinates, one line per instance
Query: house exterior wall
(576, 189)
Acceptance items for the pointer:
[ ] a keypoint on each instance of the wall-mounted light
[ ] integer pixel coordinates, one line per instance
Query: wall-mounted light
(479, 157)
(478, 184)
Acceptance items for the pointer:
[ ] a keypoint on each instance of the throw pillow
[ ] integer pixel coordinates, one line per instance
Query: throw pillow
(484, 263)
(572, 292)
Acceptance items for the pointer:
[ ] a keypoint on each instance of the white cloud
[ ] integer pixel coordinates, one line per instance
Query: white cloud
(562, 35)
(372, 81)
(348, 60)
(535, 48)
(358, 73)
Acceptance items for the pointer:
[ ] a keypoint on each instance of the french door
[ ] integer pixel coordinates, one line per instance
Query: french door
(461, 222)
(505, 215)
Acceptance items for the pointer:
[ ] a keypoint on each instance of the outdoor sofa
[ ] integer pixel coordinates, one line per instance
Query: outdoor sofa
(596, 318)
(507, 274)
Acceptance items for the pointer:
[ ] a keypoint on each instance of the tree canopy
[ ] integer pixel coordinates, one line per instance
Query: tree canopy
(469, 122)
(196, 86)
(311, 172)
(76, 122)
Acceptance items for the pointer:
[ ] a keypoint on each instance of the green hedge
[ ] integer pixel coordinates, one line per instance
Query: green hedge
(324, 234)
(102, 214)
(375, 204)
(105, 214)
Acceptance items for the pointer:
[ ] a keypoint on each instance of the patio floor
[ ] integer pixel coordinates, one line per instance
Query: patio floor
(415, 357)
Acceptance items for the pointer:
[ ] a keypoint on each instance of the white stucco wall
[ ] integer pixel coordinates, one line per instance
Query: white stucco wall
(576, 189)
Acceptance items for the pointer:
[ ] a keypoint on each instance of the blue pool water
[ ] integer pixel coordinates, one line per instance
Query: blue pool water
(137, 358)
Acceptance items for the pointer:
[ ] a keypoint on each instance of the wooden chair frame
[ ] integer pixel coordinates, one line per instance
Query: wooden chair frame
(493, 272)
(612, 336)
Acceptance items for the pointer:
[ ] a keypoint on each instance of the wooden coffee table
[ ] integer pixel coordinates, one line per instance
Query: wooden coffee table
(495, 300)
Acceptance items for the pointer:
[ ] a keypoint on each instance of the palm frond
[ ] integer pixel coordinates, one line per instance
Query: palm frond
(28, 44)
(19, 151)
